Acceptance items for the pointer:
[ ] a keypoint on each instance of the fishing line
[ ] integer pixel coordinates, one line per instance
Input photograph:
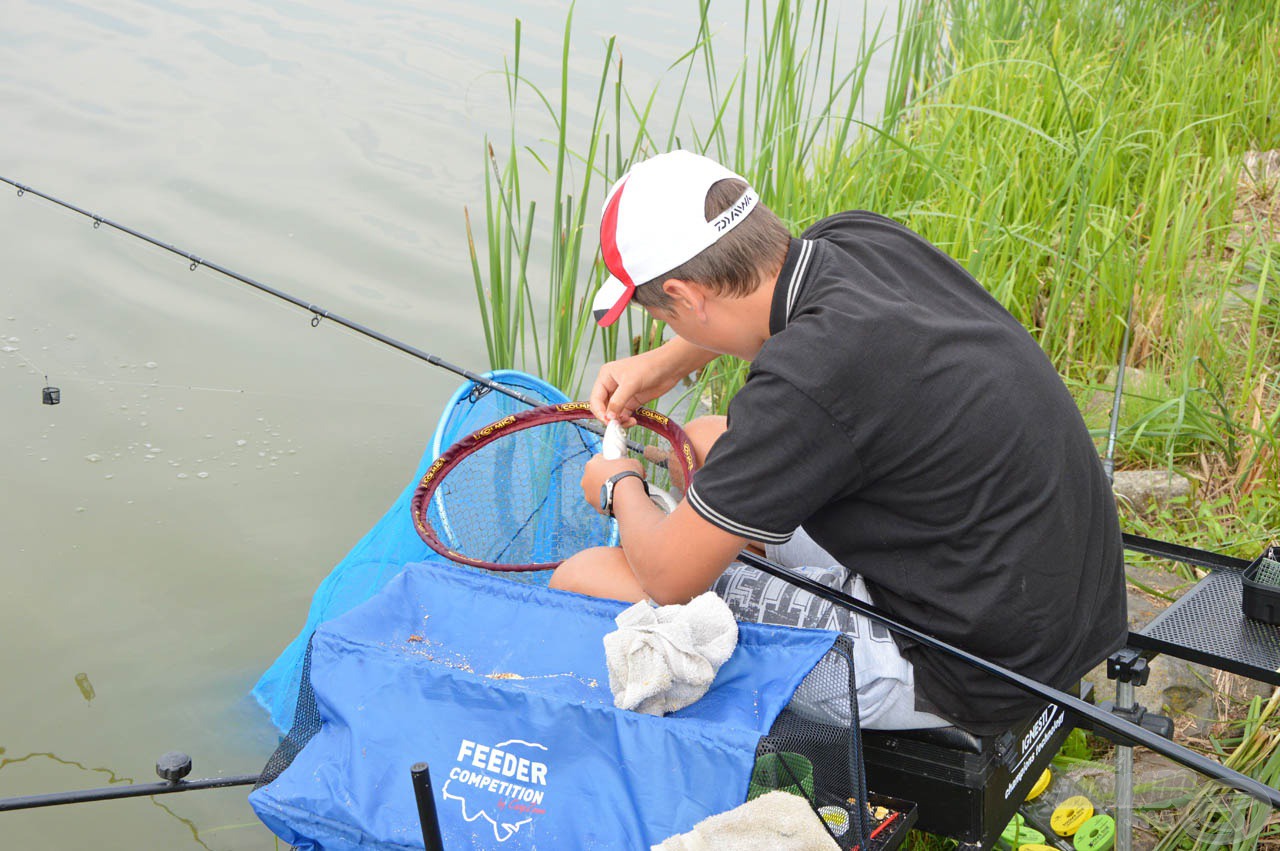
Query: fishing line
(13, 350)
(318, 313)
(49, 394)
(234, 391)
(81, 378)
(114, 382)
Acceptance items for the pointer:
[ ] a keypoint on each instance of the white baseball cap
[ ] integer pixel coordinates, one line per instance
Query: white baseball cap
(654, 219)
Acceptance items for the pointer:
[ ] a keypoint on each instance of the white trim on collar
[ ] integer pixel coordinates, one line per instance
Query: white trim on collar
(797, 277)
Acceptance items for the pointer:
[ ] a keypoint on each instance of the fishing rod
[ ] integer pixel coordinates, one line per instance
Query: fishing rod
(1109, 459)
(172, 768)
(1099, 717)
(317, 313)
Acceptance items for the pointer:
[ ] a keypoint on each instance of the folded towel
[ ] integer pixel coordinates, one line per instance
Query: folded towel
(663, 659)
(778, 821)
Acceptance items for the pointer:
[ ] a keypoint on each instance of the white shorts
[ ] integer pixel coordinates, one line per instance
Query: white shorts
(885, 680)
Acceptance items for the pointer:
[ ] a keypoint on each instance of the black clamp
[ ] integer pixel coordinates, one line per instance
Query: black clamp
(1161, 725)
(1128, 666)
(173, 766)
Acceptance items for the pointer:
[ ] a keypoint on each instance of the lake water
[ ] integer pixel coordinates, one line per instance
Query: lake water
(214, 455)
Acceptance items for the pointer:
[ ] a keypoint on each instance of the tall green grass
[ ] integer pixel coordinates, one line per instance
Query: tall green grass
(1077, 156)
(788, 107)
(557, 346)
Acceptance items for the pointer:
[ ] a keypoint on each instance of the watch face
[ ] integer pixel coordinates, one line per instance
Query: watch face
(604, 497)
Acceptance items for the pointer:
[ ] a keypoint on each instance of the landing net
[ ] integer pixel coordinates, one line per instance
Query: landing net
(508, 497)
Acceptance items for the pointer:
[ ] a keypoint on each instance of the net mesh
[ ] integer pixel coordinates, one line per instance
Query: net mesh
(393, 541)
(518, 500)
(819, 761)
(306, 723)
(1268, 572)
(512, 499)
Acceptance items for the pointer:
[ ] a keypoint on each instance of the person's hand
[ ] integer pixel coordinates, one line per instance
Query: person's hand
(627, 383)
(596, 473)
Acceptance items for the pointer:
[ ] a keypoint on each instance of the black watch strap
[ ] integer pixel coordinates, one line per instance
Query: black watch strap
(606, 504)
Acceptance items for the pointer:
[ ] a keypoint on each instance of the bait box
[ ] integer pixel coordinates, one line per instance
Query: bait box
(1261, 600)
(894, 828)
(970, 785)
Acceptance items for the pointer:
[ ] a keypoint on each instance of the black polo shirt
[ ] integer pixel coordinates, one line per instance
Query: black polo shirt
(920, 435)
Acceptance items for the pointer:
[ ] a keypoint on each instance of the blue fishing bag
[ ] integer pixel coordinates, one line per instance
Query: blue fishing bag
(503, 690)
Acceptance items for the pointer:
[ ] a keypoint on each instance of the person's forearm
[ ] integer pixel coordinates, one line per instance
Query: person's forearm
(638, 522)
(683, 358)
(674, 557)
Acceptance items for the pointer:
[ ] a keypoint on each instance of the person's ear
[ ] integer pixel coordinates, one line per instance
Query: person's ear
(688, 296)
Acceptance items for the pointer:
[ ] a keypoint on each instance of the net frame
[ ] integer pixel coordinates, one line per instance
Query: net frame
(681, 463)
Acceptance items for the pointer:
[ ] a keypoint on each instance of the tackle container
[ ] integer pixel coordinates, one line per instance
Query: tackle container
(1260, 598)
(972, 785)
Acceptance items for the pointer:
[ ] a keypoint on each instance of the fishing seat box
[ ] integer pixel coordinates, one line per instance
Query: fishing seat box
(968, 787)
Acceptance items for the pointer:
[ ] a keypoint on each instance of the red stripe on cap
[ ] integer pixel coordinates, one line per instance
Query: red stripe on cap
(611, 316)
(609, 239)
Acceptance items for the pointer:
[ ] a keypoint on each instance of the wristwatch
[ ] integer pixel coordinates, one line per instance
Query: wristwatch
(606, 490)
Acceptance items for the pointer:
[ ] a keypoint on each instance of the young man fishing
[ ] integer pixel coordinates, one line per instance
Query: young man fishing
(894, 412)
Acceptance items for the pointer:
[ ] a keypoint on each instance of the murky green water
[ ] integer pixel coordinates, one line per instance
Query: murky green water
(214, 455)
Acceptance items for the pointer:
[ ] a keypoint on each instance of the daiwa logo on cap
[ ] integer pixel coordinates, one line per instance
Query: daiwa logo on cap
(504, 784)
(731, 216)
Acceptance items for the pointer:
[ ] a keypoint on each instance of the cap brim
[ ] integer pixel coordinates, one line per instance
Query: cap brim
(611, 299)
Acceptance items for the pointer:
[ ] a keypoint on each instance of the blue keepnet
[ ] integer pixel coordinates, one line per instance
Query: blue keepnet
(393, 541)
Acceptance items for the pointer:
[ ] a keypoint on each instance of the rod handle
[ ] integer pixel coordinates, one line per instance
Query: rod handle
(427, 818)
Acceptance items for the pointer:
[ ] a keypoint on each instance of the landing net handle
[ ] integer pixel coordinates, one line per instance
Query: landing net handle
(681, 462)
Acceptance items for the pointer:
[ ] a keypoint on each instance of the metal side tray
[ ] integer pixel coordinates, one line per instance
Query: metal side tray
(1222, 622)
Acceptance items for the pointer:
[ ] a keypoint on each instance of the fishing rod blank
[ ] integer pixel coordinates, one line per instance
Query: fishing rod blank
(173, 767)
(1109, 458)
(317, 312)
(1097, 716)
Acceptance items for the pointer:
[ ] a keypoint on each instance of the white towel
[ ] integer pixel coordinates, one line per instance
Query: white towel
(663, 659)
(778, 821)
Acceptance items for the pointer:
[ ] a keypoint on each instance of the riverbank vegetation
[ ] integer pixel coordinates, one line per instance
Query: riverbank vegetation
(1094, 164)
(1099, 166)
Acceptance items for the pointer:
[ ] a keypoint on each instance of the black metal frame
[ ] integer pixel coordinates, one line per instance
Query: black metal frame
(1207, 625)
